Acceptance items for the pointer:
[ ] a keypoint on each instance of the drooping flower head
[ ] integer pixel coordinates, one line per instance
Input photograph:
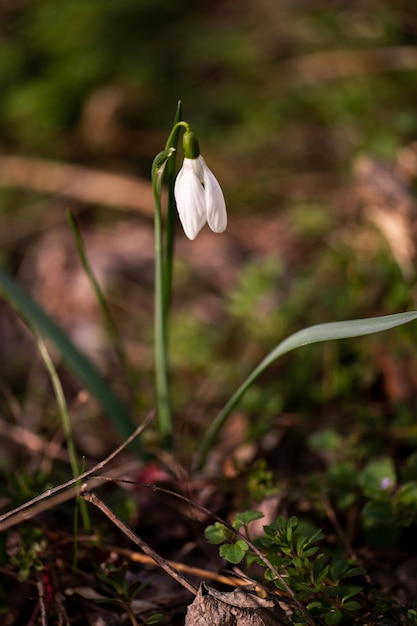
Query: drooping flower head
(197, 192)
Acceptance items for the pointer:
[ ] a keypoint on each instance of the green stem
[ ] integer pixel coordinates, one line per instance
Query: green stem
(217, 424)
(105, 309)
(171, 211)
(163, 395)
(130, 614)
(65, 418)
(164, 166)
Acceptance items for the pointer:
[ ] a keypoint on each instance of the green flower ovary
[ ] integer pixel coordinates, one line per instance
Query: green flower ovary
(190, 145)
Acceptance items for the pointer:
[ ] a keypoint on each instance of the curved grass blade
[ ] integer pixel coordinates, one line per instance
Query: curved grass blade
(110, 325)
(312, 334)
(80, 366)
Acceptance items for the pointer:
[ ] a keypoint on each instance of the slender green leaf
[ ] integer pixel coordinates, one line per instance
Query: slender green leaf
(312, 334)
(245, 517)
(111, 327)
(171, 213)
(81, 367)
(336, 330)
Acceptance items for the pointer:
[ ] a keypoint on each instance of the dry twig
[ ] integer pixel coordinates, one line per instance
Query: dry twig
(71, 488)
(92, 497)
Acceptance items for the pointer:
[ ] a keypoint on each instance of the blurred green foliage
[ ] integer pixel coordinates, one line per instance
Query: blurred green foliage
(232, 65)
(276, 89)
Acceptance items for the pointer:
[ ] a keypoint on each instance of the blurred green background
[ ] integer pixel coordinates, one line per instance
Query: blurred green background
(284, 95)
(306, 112)
(272, 86)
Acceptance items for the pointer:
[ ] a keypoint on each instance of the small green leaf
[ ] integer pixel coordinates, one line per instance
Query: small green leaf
(154, 619)
(353, 591)
(134, 588)
(320, 570)
(355, 571)
(326, 440)
(299, 618)
(338, 568)
(407, 494)
(333, 618)
(245, 517)
(378, 513)
(216, 533)
(299, 563)
(316, 606)
(271, 576)
(351, 605)
(234, 552)
(377, 477)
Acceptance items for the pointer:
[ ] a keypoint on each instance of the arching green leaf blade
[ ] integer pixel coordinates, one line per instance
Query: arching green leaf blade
(312, 334)
(337, 330)
(80, 366)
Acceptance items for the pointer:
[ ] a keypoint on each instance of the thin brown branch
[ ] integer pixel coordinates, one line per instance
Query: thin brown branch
(252, 546)
(41, 600)
(92, 497)
(144, 559)
(43, 501)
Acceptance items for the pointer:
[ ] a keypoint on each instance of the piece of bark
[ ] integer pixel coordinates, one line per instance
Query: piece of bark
(391, 206)
(240, 607)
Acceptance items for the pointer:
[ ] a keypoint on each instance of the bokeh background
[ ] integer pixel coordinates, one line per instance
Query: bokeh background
(272, 87)
(306, 113)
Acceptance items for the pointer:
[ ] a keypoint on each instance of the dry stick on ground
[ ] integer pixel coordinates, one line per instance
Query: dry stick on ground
(200, 507)
(45, 501)
(79, 183)
(144, 559)
(91, 496)
(240, 535)
(41, 605)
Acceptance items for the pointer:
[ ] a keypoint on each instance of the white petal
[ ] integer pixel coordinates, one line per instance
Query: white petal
(215, 203)
(190, 198)
(198, 165)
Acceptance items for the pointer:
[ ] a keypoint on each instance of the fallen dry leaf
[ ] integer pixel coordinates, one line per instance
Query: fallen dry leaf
(240, 607)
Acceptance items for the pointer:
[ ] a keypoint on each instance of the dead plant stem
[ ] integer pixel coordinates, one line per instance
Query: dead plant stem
(91, 496)
(28, 509)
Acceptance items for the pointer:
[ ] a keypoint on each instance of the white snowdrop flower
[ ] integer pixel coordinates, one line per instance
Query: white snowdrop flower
(197, 192)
